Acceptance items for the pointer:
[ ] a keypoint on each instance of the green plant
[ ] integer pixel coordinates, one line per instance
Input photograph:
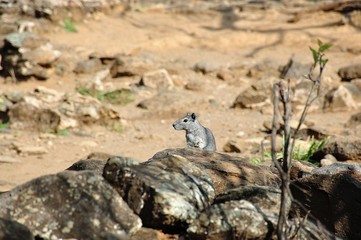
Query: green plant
(4, 126)
(255, 160)
(89, 92)
(119, 96)
(115, 127)
(282, 93)
(69, 25)
(319, 53)
(63, 132)
(306, 154)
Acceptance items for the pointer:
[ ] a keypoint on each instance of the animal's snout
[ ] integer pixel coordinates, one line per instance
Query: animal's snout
(176, 126)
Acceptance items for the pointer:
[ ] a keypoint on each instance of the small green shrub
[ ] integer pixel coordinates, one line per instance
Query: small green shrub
(306, 154)
(298, 152)
(69, 25)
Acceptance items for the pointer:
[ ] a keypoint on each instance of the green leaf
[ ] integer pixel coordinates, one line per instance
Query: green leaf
(324, 61)
(319, 42)
(315, 55)
(256, 160)
(324, 47)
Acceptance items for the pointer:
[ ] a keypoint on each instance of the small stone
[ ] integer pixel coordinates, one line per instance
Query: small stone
(240, 134)
(8, 159)
(355, 19)
(340, 99)
(194, 86)
(355, 120)
(225, 75)
(326, 162)
(25, 40)
(88, 144)
(350, 72)
(43, 55)
(48, 95)
(89, 66)
(330, 157)
(256, 96)
(208, 66)
(31, 150)
(158, 79)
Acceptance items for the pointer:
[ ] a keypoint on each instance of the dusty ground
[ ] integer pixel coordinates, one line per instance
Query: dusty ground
(245, 39)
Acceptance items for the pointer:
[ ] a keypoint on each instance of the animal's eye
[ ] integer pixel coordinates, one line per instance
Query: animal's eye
(185, 120)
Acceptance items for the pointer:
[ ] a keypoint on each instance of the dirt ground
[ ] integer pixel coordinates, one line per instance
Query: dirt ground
(247, 38)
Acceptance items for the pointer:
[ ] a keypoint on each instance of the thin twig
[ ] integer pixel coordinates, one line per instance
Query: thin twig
(299, 226)
(276, 90)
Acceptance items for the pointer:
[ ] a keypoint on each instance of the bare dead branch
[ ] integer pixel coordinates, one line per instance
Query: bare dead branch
(286, 68)
(276, 91)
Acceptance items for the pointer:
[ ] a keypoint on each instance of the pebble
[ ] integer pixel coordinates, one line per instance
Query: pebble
(88, 144)
(8, 159)
(30, 150)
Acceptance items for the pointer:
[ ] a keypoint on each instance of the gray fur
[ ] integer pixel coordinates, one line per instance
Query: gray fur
(196, 135)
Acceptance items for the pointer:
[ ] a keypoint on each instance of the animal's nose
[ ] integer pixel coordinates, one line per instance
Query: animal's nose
(173, 125)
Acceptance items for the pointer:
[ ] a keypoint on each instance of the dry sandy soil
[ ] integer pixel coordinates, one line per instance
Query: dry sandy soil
(248, 38)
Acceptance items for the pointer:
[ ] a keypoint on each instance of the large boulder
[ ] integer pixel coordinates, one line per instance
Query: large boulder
(230, 220)
(337, 167)
(226, 171)
(249, 212)
(12, 230)
(94, 162)
(70, 204)
(166, 195)
(335, 200)
(266, 198)
(342, 148)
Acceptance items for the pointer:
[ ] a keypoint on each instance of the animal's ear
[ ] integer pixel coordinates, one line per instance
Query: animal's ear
(193, 115)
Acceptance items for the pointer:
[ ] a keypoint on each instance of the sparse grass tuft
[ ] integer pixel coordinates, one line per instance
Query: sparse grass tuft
(116, 127)
(4, 126)
(298, 152)
(63, 132)
(69, 25)
(306, 154)
(118, 97)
